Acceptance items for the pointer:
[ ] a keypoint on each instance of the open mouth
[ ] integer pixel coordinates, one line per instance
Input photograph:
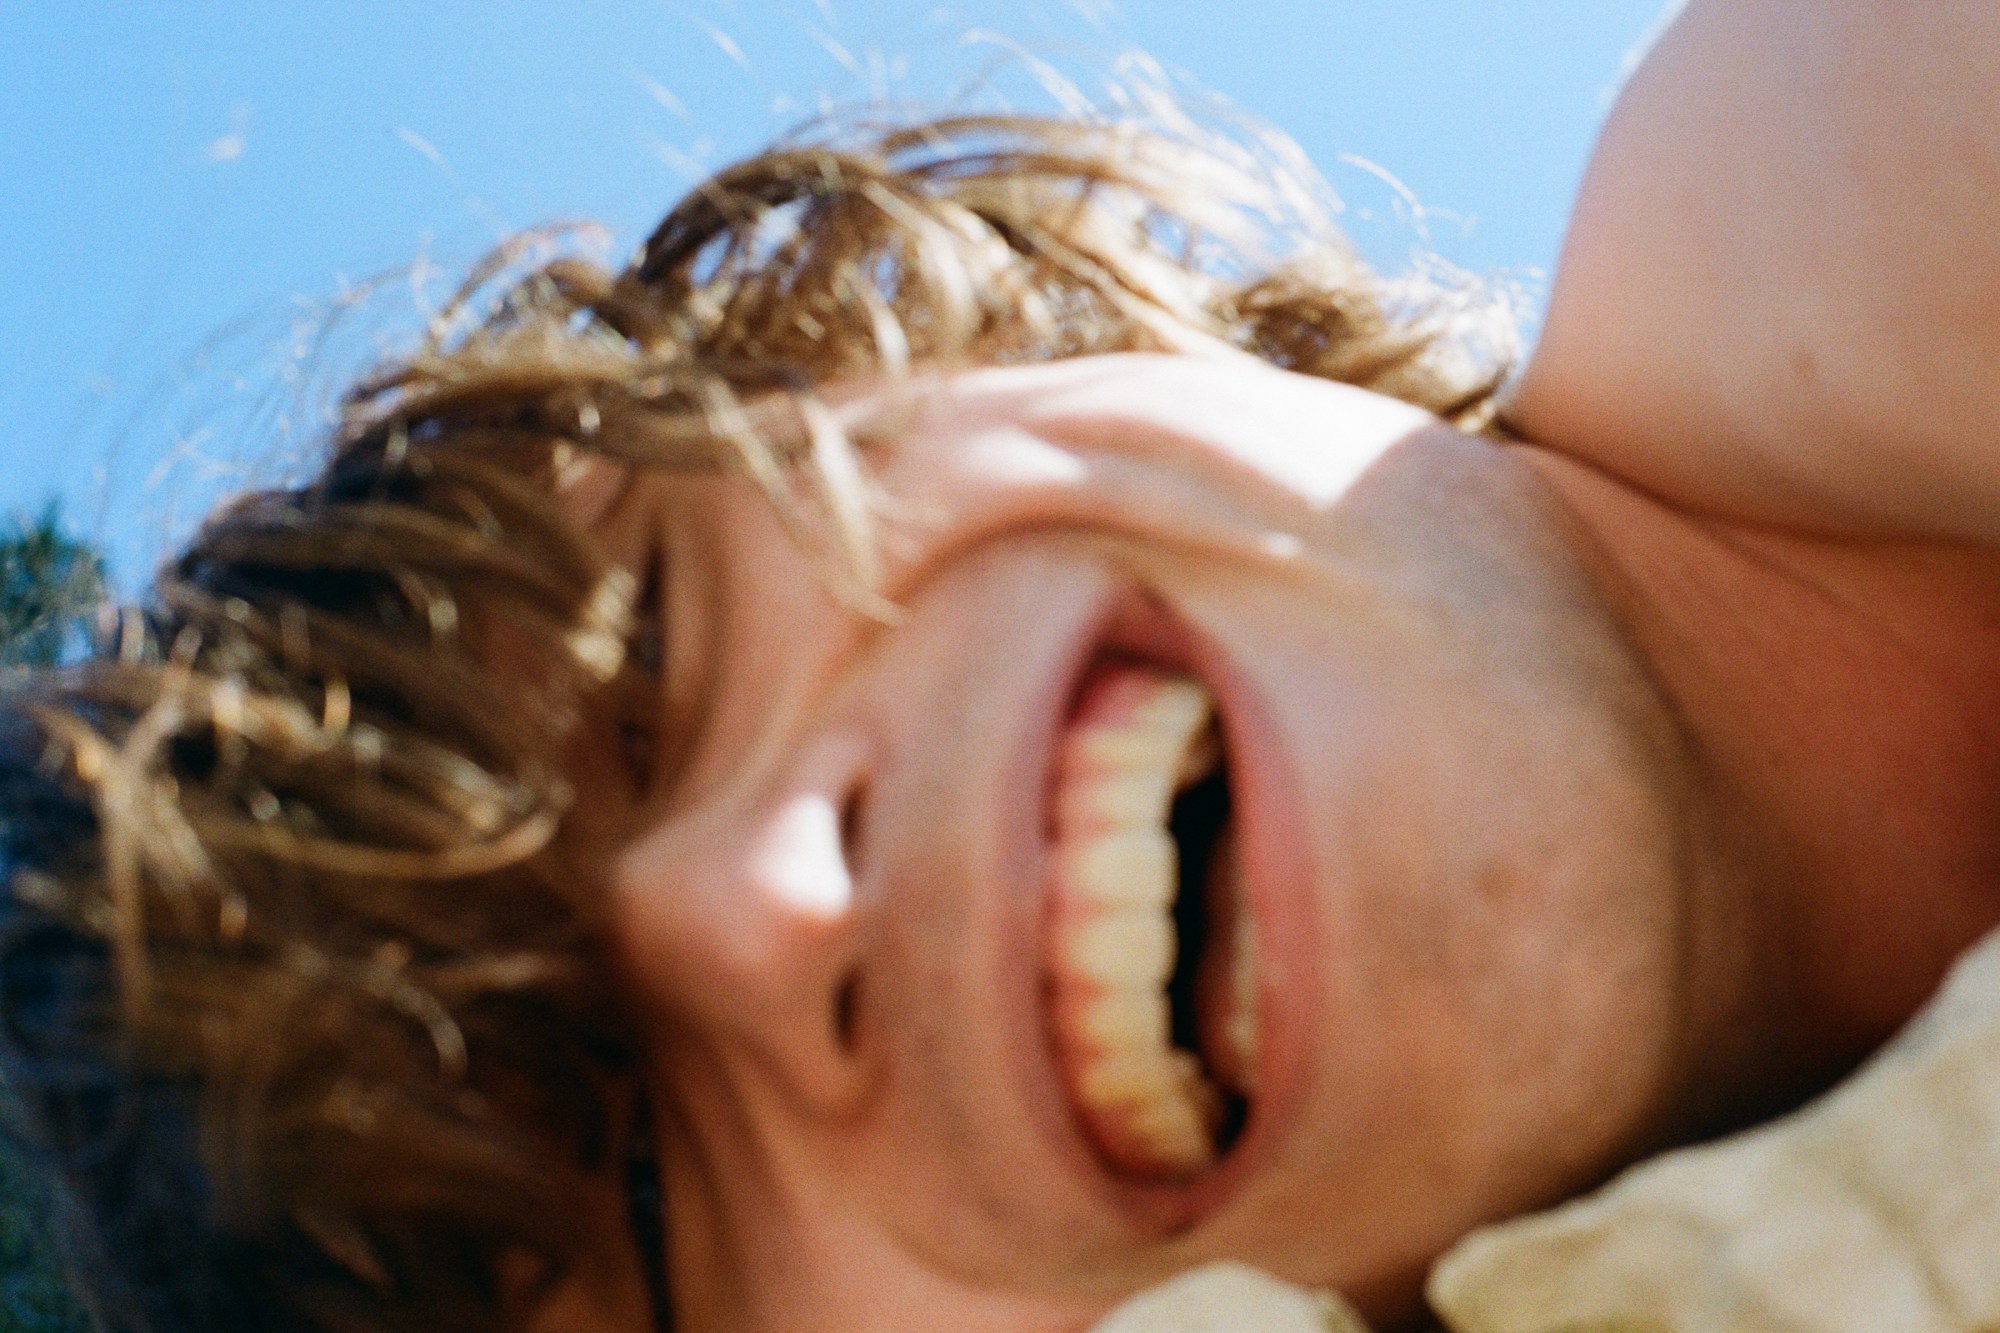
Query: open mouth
(1151, 966)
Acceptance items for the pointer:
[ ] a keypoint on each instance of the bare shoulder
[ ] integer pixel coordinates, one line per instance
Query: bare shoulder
(1780, 296)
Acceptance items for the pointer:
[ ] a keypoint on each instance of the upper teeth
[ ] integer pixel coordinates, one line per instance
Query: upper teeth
(1139, 736)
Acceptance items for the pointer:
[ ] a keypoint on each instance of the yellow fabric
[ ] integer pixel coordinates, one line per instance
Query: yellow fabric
(1231, 1298)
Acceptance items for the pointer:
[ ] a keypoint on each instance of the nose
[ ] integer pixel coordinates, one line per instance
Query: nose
(741, 921)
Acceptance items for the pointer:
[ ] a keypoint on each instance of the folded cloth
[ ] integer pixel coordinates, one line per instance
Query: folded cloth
(1230, 1298)
(1876, 1209)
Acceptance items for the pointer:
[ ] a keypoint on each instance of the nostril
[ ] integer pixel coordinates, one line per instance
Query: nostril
(847, 1012)
(853, 837)
(853, 825)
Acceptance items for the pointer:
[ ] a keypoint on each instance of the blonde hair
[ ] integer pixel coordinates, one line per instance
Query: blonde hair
(298, 946)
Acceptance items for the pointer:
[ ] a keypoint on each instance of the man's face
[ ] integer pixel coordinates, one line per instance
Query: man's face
(1446, 909)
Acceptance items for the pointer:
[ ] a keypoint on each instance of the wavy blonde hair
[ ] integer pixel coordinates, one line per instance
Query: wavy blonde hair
(304, 979)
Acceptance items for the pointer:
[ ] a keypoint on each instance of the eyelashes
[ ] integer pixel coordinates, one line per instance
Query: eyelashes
(648, 646)
(638, 703)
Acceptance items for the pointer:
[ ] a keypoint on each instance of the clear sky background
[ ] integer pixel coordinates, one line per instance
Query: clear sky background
(189, 187)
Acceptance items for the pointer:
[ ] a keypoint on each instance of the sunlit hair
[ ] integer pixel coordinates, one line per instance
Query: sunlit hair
(305, 993)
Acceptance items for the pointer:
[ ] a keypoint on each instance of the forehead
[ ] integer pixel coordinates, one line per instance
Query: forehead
(1237, 422)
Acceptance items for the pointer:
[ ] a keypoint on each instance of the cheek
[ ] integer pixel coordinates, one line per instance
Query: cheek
(1510, 998)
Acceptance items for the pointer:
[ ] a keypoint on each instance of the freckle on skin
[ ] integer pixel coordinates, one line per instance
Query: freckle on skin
(1805, 366)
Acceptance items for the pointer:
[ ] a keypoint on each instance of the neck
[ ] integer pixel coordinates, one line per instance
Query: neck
(1843, 701)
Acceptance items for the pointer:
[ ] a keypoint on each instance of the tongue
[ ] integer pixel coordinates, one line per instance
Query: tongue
(1225, 993)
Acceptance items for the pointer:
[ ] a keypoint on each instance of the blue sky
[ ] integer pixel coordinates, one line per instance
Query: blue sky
(187, 188)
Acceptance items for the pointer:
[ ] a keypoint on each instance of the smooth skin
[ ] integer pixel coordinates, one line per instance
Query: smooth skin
(1597, 794)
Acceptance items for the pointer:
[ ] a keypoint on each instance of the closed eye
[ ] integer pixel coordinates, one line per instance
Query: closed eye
(638, 692)
(648, 646)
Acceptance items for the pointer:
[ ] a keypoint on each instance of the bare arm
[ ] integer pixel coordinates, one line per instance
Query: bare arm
(1780, 297)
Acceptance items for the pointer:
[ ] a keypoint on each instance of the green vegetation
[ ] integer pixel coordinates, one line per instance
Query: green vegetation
(50, 583)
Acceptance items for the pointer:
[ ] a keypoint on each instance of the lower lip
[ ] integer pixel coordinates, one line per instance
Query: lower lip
(1276, 880)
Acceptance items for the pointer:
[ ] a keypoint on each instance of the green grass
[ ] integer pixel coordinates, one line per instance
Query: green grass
(49, 584)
